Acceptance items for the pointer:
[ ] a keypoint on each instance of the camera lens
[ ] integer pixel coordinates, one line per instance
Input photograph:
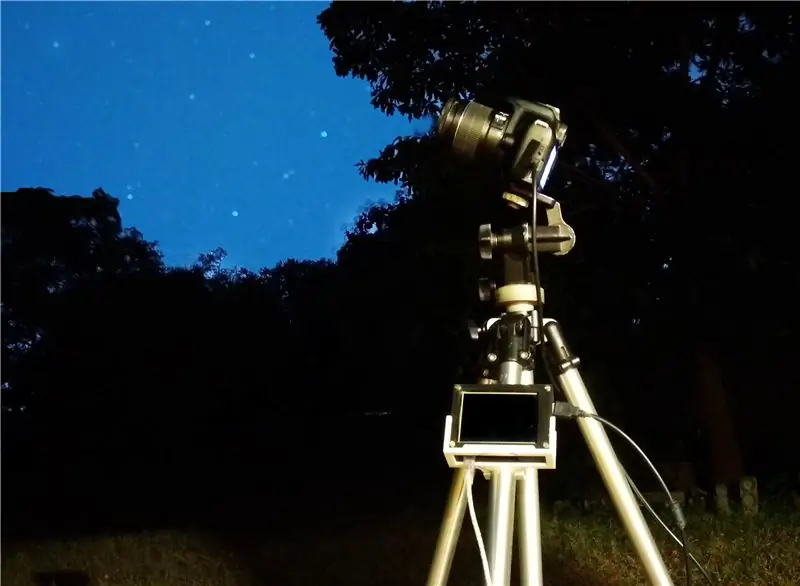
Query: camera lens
(471, 128)
(449, 118)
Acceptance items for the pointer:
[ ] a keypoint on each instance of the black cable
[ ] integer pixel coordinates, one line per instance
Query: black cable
(661, 522)
(566, 410)
(675, 507)
(686, 558)
(535, 259)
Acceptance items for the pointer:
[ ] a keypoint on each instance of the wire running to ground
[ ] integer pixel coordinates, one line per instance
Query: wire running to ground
(570, 411)
(473, 515)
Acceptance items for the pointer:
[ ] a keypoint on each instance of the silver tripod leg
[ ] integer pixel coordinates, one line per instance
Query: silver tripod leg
(502, 487)
(605, 459)
(529, 528)
(450, 530)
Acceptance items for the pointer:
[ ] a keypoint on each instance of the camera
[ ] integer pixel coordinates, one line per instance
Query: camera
(522, 137)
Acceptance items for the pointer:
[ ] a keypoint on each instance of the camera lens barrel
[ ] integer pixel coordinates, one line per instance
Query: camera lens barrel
(472, 128)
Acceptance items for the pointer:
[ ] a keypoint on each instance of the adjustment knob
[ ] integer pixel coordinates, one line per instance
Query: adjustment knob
(485, 241)
(474, 330)
(486, 289)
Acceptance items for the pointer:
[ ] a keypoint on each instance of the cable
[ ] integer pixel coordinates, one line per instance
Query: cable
(568, 411)
(535, 259)
(475, 526)
(666, 528)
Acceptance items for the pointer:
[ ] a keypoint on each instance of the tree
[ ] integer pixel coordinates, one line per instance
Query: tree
(119, 370)
(50, 244)
(657, 104)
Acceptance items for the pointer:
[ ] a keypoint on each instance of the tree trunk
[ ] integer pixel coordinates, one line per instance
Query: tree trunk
(726, 457)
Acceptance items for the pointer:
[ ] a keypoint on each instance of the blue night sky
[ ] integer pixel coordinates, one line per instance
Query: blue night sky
(215, 123)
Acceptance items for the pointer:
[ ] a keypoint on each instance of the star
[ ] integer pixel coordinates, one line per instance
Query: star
(252, 55)
(191, 96)
(207, 23)
(324, 134)
(235, 213)
(56, 44)
(130, 196)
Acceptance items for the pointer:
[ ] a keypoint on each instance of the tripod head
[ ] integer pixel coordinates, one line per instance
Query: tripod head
(521, 143)
(517, 245)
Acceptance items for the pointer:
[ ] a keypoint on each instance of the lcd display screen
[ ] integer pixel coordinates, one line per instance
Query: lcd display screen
(499, 418)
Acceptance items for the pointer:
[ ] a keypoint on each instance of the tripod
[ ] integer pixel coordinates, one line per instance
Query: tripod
(512, 467)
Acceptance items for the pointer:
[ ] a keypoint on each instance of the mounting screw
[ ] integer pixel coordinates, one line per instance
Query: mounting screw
(491, 357)
(547, 388)
(524, 355)
(545, 445)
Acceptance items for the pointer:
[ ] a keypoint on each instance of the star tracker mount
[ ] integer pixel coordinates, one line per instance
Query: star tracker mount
(505, 426)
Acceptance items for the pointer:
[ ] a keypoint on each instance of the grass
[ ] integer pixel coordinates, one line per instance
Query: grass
(577, 550)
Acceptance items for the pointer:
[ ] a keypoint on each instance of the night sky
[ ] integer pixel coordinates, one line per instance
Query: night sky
(215, 123)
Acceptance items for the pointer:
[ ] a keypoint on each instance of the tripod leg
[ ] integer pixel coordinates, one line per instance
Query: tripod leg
(605, 459)
(450, 530)
(529, 529)
(502, 487)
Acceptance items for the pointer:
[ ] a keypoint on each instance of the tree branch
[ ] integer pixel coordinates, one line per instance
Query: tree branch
(616, 144)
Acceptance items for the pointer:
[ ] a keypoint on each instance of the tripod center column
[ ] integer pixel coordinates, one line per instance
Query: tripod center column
(517, 333)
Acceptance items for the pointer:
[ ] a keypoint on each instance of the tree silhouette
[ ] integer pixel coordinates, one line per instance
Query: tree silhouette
(118, 370)
(50, 244)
